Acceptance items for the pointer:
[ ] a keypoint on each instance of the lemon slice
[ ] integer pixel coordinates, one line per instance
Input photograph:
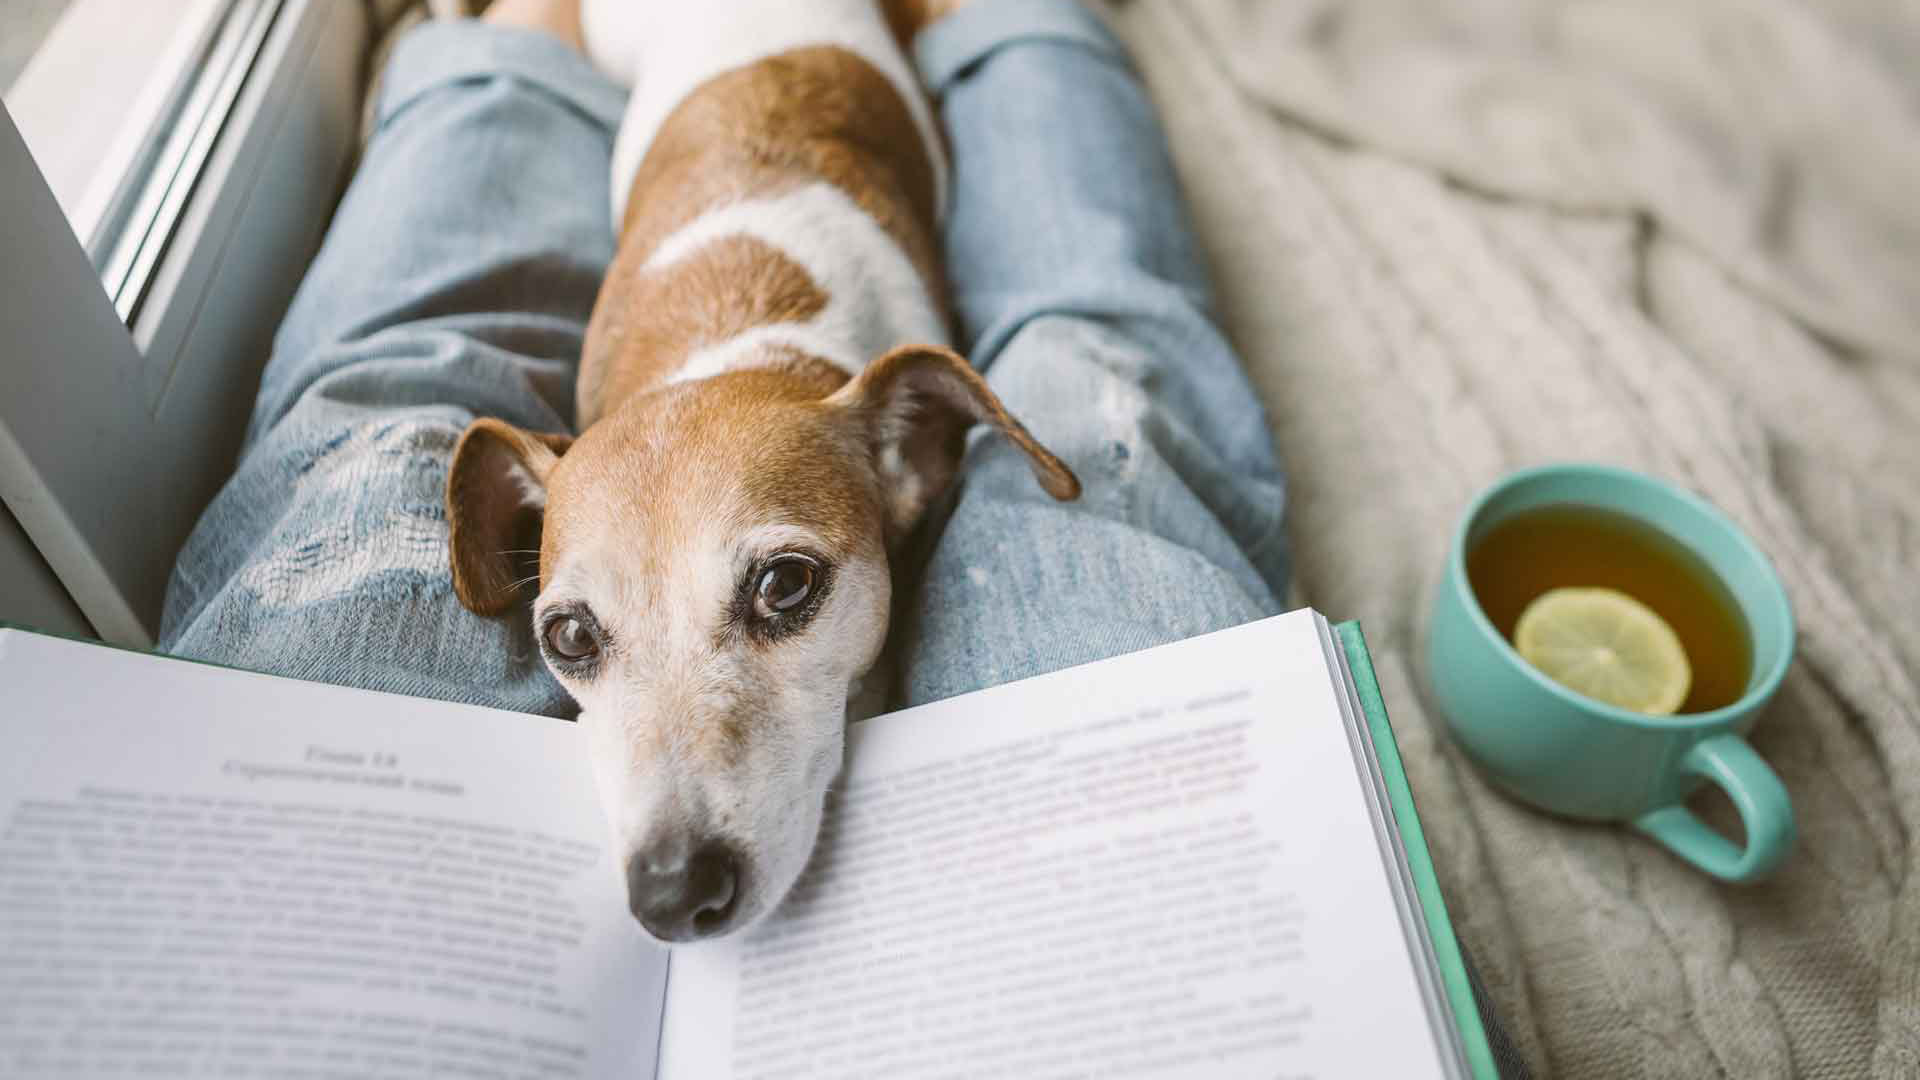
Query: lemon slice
(1606, 645)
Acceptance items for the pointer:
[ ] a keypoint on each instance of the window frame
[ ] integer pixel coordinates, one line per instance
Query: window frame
(133, 233)
(114, 434)
(100, 65)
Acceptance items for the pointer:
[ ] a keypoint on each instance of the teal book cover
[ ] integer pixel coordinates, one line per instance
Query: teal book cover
(1446, 947)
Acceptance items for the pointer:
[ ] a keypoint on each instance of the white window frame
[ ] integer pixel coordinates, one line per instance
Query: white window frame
(114, 436)
(107, 68)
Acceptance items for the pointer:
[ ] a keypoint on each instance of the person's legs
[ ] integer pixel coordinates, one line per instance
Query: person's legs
(1082, 298)
(455, 281)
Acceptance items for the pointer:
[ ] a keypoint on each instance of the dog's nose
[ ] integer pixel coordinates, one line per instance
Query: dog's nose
(682, 897)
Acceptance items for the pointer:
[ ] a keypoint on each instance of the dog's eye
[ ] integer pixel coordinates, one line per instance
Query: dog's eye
(783, 586)
(570, 640)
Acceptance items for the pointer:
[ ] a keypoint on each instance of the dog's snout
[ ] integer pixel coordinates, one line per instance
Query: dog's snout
(682, 897)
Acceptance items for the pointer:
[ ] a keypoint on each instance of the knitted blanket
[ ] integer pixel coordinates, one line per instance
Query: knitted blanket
(1457, 237)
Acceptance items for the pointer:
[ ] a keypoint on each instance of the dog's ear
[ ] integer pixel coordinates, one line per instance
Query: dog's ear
(918, 402)
(496, 500)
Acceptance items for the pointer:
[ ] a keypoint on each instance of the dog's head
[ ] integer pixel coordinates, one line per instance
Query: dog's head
(713, 577)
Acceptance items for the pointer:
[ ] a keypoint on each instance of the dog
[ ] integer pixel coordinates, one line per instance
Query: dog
(768, 405)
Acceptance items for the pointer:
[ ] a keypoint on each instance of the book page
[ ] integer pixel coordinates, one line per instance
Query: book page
(1156, 865)
(209, 872)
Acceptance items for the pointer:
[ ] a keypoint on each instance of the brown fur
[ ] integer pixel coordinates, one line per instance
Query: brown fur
(712, 722)
(855, 461)
(818, 113)
(920, 400)
(487, 518)
(768, 442)
(906, 18)
(725, 288)
(756, 441)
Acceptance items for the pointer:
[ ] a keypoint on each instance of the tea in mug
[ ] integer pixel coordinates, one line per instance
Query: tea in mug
(1567, 545)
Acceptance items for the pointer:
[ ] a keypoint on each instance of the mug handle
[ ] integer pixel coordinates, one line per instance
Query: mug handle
(1757, 793)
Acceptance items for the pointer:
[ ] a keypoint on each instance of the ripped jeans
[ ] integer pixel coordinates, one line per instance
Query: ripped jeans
(456, 282)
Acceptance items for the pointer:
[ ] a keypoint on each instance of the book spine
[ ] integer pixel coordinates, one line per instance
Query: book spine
(1433, 907)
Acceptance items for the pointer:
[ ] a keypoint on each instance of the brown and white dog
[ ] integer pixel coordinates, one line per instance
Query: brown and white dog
(768, 406)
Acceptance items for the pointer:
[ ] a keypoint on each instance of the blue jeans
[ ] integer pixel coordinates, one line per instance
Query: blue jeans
(456, 282)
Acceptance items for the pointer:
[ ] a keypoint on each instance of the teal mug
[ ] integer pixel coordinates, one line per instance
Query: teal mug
(1567, 753)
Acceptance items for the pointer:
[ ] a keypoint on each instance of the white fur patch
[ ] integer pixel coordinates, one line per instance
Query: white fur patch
(533, 491)
(665, 49)
(673, 673)
(876, 298)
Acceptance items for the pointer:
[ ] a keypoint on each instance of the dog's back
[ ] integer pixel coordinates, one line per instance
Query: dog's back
(776, 182)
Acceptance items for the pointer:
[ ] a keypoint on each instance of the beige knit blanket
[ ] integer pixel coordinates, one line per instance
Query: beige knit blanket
(1456, 237)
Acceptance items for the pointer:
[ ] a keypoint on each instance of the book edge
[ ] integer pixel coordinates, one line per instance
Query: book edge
(156, 653)
(1446, 946)
(139, 650)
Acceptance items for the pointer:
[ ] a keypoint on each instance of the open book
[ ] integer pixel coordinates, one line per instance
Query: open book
(1197, 859)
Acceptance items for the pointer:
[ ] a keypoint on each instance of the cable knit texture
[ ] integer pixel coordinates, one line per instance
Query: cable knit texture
(1456, 237)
